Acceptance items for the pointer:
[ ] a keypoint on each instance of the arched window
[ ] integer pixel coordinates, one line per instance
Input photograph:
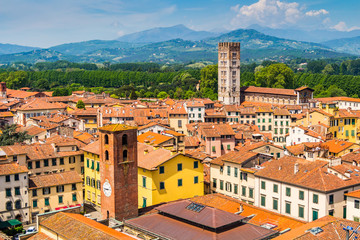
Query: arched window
(106, 155)
(106, 139)
(124, 140)
(125, 155)
(18, 204)
(9, 206)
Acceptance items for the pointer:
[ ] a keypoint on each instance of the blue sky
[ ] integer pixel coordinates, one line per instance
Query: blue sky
(45, 23)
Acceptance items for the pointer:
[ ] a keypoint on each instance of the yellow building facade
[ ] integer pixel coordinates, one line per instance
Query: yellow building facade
(344, 126)
(165, 176)
(92, 182)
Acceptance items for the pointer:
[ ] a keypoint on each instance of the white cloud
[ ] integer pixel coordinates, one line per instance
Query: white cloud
(276, 14)
(341, 26)
(314, 13)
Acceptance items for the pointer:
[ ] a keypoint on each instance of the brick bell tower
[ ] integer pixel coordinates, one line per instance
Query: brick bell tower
(118, 171)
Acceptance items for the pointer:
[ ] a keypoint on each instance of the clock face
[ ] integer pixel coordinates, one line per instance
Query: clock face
(107, 189)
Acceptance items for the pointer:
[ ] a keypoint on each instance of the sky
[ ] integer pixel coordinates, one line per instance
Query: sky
(45, 23)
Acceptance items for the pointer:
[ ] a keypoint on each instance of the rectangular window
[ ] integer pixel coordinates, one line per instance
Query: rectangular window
(263, 186)
(251, 193)
(34, 203)
(87, 163)
(356, 204)
(228, 147)
(235, 189)
(34, 192)
(347, 133)
(74, 197)
(60, 188)
(276, 188)
(73, 187)
(288, 192)
(54, 162)
(276, 130)
(221, 185)
(180, 183)
(144, 202)
(353, 133)
(331, 199)
(162, 185)
(214, 182)
(161, 169)
(8, 192)
(275, 203)
(243, 191)
(196, 179)
(60, 199)
(7, 178)
(315, 214)
(17, 191)
(92, 163)
(301, 211)
(37, 164)
(288, 208)
(263, 200)
(196, 164)
(228, 186)
(228, 170)
(29, 165)
(179, 167)
(213, 149)
(47, 202)
(301, 195)
(46, 191)
(235, 172)
(46, 163)
(144, 182)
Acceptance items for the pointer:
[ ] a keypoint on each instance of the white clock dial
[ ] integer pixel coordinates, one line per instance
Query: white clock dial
(107, 189)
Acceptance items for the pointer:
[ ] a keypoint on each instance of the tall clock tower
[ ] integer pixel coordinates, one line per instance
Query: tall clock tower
(118, 171)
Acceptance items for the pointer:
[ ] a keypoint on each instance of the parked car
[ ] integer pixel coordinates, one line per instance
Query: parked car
(30, 230)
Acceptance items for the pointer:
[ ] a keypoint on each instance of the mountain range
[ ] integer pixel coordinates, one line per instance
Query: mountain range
(180, 44)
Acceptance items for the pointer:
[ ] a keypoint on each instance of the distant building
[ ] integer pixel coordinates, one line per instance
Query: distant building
(229, 72)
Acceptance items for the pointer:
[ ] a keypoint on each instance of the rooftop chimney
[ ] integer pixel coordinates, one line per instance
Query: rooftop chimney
(296, 168)
(146, 151)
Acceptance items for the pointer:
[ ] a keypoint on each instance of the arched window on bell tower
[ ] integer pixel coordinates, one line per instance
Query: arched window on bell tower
(106, 139)
(124, 140)
(106, 155)
(125, 155)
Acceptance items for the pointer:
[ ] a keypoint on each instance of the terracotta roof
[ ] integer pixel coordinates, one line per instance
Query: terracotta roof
(262, 216)
(321, 111)
(76, 226)
(84, 137)
(93, 148)
(33, 130)
(354, 194)
(116, 127)
(332, 228)
(40, 236)
(54, 179)
(153, 138)
(277, 91)
(311, 133)
(84, 112)
(198, 154)
(19, 94)
(351, 157)
(337, 146)
(216, 130)
(234, 157)
(153, 159)
(231, 108)
(12, 168)
(296, 149)
(303, 88)
(194, 104)
(278, 111)
(192, 141)
(151, 124)
(252, 146)
(40, 104)
(333, 99)
(174, 133)
(311, 174)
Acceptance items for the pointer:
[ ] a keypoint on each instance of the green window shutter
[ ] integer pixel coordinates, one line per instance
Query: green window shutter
(243, 191)
(288, 208)
(352, 133)
(263, 185)
(251, 193)
(347, 133)
(353, 121)
(281, 131)
(315, 198)
(47, 202)
(74, 197)
(301, 195)
(301, 211)
(213, 148)
(263, 201)
(288, 192)
(276, 130)
(276, 188)
(34, 203)
(87, 163)
(315, 215)
(269, 120)
(221, 185)
(278, 155)
(235, 189)
(228, 147)
(275, 204)
(144, 182)
(97, 166)
(258, 120)
(263, 120)
(60, 199)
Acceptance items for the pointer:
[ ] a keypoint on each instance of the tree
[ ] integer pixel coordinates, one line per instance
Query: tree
(133, 95)
(209, 81)
(10, 135)
(162, 95)
(80, 104)
(276, 75)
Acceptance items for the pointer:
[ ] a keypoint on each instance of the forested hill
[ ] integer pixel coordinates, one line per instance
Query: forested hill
(255, 47)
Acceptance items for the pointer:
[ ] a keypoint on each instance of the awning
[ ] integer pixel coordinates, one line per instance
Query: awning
(9, 223)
